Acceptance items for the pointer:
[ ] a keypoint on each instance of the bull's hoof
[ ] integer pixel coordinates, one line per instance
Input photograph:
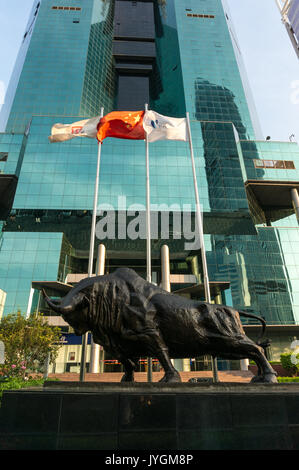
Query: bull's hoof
(267, 378)
(257, 379)
(128, 378)
(171, 378)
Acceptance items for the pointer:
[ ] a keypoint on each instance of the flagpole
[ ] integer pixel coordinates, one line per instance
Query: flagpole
(201, 235)
(148, 214)
(91, 250)
(148, 237)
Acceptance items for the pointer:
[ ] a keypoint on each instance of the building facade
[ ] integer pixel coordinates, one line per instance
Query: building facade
(178, 56)
(289, 10)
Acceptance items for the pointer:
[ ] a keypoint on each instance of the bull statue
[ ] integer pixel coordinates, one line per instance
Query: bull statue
(132, 318)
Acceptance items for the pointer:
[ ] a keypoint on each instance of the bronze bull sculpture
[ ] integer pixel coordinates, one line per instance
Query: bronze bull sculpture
(132, 318)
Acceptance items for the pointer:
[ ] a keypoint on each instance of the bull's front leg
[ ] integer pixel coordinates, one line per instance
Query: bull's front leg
(171, 374)
(159, 350)
(129, 368)
(153, 346)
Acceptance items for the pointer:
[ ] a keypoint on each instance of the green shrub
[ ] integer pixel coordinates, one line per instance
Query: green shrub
(287, 379)
(28, 342)
(287, 364)
(16, 383)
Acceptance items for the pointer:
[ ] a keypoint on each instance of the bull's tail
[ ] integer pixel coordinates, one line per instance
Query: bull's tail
(250, 315)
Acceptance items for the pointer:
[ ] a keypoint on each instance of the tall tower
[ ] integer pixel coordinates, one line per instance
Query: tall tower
(64, 66)
(178, 56)
(75, 59)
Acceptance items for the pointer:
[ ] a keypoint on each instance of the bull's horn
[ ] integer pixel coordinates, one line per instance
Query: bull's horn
(54, 305)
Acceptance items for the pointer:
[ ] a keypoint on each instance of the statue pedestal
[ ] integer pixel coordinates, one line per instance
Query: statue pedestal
(151, 416)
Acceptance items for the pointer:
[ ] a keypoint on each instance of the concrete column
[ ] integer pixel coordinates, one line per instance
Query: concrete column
(165, 268)
(244, 363)
(94, 364)
(218, 299)
(195, 268)
(29, 306)
(101, 360)
(100, 268)
(185, 364)
(295, 201)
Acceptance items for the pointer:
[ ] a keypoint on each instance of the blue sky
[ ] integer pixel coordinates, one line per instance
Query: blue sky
(271, 63)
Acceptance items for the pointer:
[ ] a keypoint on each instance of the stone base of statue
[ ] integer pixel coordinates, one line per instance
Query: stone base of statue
(151, 416)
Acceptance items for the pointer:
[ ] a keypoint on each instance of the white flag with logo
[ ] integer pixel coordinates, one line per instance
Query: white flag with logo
(85, 128)
(160, 127)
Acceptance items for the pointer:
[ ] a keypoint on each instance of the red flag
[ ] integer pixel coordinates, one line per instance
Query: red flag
(123, 125)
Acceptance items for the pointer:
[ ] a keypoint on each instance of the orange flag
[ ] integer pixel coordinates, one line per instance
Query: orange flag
(122, 124)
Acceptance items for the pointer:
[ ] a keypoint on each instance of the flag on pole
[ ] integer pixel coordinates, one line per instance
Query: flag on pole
(85, 128)
(123, 125)
(160, 127)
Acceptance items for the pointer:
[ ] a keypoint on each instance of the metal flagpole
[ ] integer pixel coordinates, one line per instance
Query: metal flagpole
(200, 229)
(148, 238)
(91, 251)
(148, 213)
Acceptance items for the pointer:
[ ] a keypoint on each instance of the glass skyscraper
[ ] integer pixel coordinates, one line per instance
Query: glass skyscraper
(290, 16)
(294, 17)
(178, 56)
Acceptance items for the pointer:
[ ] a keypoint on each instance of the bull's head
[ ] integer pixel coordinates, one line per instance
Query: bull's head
(73, 308)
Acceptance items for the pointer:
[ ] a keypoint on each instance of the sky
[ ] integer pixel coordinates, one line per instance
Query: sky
(270, 60)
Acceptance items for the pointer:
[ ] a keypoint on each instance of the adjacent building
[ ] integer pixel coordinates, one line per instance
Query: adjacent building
(289, 10)
(178, 56)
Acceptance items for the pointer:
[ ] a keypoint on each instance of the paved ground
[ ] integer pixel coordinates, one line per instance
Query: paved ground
(227, 376)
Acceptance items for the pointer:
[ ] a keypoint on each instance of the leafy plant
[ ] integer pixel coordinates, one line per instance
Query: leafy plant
(16, 383)
(28, 342)
(287, 379)
(287, 364)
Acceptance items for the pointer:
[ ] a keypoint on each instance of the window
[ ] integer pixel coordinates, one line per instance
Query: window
(66, 8)
(200, 16)
(3, 156)
(278, 164)
(289, 165)
(72, 356)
